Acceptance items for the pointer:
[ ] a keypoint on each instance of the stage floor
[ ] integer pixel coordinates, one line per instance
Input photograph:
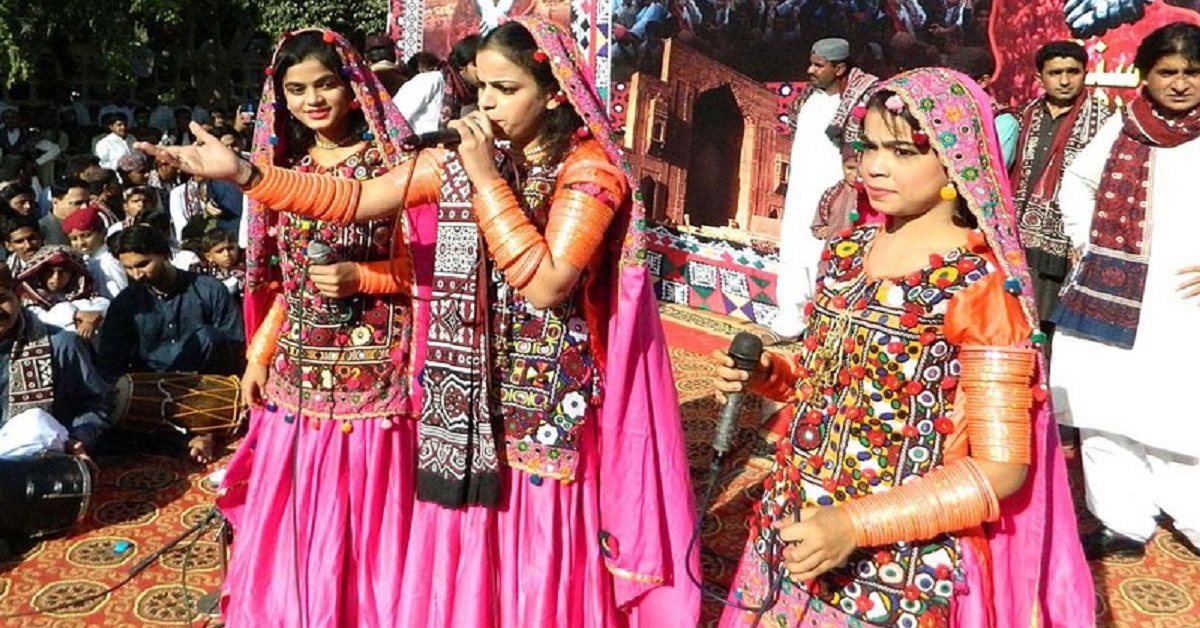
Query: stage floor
(146, 501)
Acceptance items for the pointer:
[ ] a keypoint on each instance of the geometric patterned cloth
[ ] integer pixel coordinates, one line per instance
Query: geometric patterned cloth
(713, 275)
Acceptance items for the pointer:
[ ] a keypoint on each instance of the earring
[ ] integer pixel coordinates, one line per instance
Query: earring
(948, 193)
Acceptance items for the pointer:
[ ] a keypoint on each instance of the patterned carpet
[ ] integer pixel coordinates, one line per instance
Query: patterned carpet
(140, 503)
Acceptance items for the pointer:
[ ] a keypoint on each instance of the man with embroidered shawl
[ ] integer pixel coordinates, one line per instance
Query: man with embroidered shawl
(1054, 128)
(1126, 320)
(54, 398)
(821, 113)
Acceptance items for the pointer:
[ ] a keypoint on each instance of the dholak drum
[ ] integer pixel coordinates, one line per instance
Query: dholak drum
(190, 402)
(43, 495)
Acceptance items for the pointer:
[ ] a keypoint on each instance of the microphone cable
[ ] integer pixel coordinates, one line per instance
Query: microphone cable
(775, 551)
(134, 572)
(213, 515)
(301, 589)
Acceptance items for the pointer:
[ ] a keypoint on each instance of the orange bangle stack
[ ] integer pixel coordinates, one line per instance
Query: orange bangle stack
(419, 179)
(262, 348)
(577, 227)
(511, 238)
(331, 199)
(995, 382)
(954, 497)
(377, 278)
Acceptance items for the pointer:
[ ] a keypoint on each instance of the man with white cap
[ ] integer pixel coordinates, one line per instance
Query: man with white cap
(821, 113)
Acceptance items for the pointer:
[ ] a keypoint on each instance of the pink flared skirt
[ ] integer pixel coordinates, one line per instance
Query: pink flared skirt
(321, 521)
(534, 562)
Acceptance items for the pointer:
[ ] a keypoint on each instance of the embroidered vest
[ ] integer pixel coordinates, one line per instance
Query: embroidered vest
(340, 370)
(876, 390)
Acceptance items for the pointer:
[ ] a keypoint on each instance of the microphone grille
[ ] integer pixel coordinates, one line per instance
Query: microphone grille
(318, 251)
(746, 349)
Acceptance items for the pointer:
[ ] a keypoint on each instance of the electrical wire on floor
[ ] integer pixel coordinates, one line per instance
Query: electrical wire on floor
(714, 472)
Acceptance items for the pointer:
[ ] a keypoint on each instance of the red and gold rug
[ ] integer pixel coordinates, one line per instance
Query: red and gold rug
(141, 503)
(138, 505)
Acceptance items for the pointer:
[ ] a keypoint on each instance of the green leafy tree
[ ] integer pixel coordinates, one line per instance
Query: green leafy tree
(127, 39)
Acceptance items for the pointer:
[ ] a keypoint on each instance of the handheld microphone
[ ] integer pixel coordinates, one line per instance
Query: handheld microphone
(440, 137)
(320, 253)
(746, 349)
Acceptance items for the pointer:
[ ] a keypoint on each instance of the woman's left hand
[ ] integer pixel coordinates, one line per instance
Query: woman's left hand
(822, 540)
(477, 149)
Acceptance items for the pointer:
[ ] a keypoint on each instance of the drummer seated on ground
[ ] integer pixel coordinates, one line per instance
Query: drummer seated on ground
(168, 320)
(55, 399)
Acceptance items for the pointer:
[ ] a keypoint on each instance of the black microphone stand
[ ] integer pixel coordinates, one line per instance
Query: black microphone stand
(144, 563)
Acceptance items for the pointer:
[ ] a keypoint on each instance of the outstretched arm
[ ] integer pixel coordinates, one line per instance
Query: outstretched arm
(317, 196)
(340, 200)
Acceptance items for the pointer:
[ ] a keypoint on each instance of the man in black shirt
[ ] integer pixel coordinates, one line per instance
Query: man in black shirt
(167, 320)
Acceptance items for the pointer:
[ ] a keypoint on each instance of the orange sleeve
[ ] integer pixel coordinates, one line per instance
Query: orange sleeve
(262, 347)
(985, 315)
(994, 398)
(380, 277)
(394, 275)
(780, 383)
(590, 191)
(591, 165)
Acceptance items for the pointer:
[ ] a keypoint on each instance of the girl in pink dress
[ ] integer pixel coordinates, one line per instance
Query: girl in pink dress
(920, 482)
(320, 492)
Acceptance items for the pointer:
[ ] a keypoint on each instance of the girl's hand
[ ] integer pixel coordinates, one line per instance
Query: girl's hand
(731, 380)
(254, 385)
(821, 540)
(337, 281)
(477, 149)
(207, 157)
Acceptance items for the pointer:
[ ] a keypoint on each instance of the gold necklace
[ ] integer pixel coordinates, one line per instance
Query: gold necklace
(536, 154)
(342, 143)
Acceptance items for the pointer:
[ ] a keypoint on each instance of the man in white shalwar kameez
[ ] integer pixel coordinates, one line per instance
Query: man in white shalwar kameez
(1125, 360)
(821, 113)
